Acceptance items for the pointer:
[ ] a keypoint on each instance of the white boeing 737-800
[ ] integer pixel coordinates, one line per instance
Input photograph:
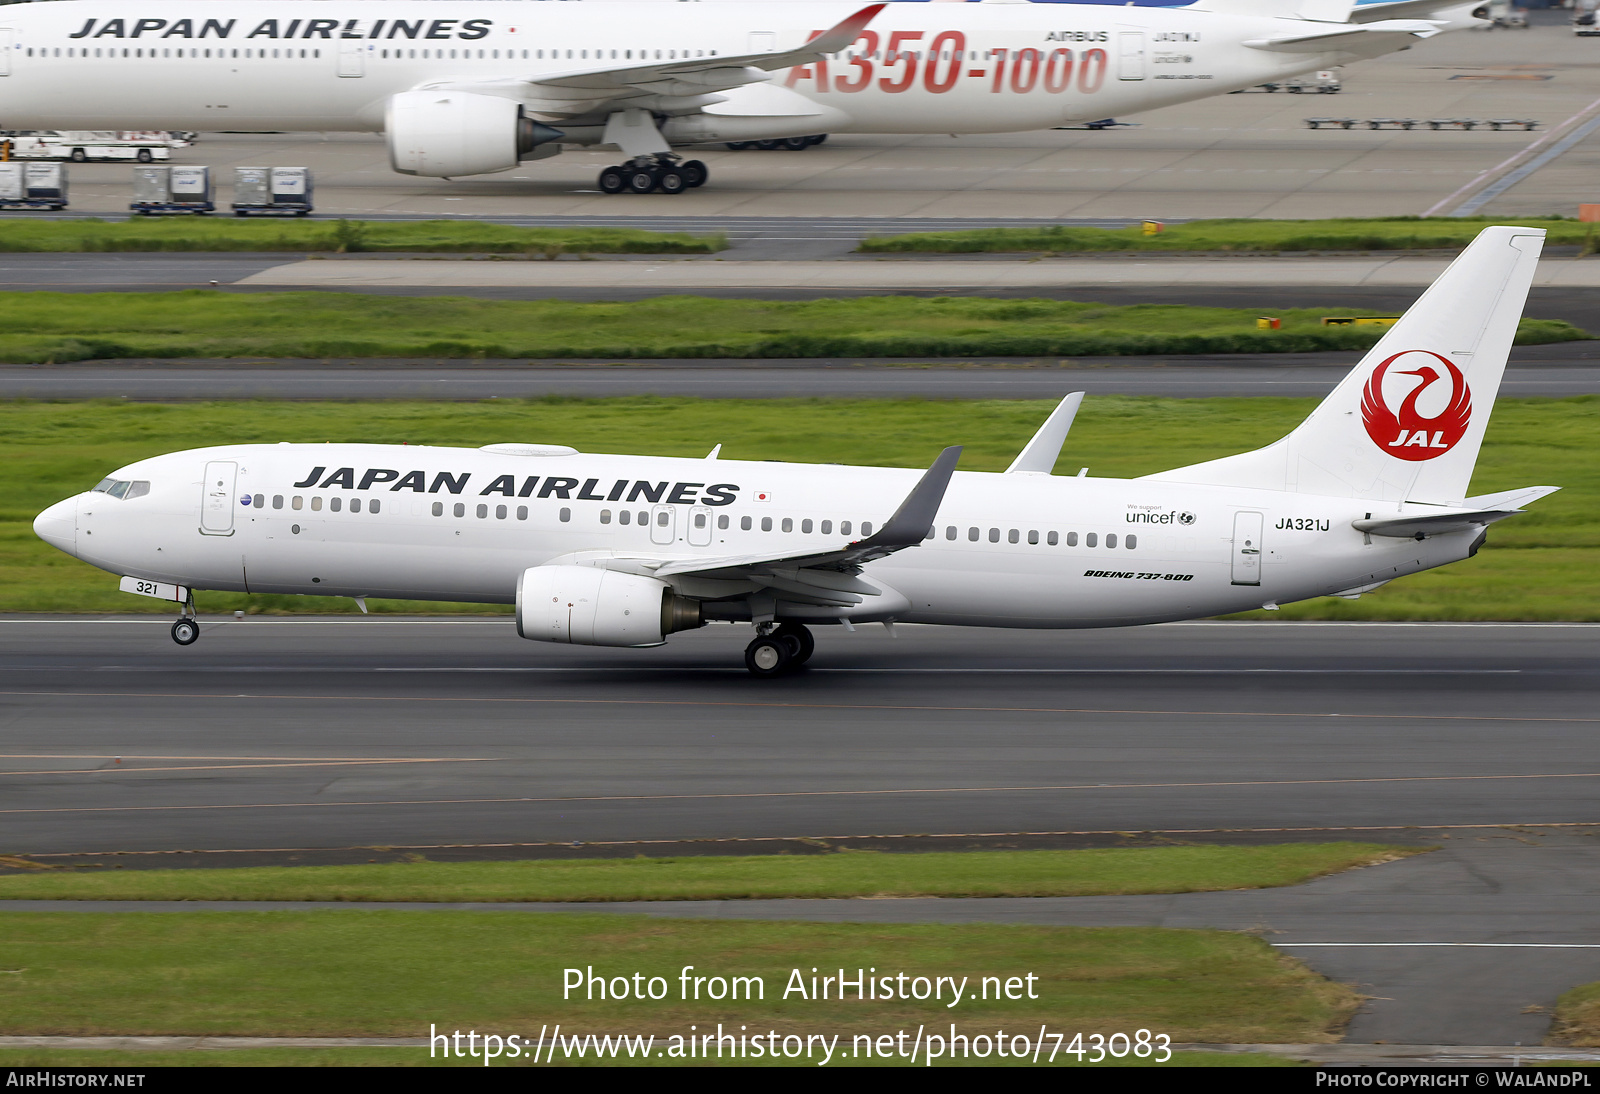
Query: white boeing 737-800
(624, 550)
(467, 88)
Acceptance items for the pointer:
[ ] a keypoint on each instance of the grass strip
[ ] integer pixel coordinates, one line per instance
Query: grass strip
(415, 1057)
(1085, 872)
(54, 327)
(1544, 565)
(1576, 1020)
(341, 236)
(1239, 235)
(393, 973)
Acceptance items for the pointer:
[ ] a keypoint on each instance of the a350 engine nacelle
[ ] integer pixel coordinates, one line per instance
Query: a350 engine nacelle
(593, 607)
(449, 133)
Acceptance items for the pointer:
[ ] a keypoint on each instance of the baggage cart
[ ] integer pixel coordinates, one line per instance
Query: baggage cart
(276, 191)
(167, 190)
(33, 185)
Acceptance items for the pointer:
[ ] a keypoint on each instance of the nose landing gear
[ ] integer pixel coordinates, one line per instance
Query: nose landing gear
(187, 628)
(779, 650)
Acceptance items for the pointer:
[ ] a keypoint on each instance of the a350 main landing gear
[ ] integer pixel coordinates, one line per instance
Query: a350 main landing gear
(659, 171)
(779, 649)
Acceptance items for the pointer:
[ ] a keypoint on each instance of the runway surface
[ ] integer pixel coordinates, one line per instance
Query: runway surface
(1537, 371)
(286, 733)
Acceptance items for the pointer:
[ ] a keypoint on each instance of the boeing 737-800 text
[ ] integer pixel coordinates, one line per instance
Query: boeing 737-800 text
(466, 88)
(615, 550)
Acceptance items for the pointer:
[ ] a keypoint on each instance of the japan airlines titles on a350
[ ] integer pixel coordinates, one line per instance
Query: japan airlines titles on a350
(465, 88)
(614, 550)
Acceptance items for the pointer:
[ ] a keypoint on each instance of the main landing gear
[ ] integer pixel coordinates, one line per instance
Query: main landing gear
(778, 650)
(657, 171)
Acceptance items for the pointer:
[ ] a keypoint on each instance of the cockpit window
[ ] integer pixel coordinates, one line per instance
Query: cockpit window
(123, 488)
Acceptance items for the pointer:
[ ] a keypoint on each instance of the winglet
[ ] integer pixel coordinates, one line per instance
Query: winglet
(913, 521)
(844, 32)
(1039, 456)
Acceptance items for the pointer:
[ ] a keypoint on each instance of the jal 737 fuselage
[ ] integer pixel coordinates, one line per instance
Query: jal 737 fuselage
(624, 550)
(466, 88)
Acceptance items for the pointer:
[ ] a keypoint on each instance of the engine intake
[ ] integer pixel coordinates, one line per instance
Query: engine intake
(587, 606)
(444, 133)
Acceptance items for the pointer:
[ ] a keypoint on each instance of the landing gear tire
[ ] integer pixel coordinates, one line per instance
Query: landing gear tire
(801, 644)
(768, 656)
(795, 144)
(739, 146)
(185, 631)
(769, 146)
(613, 181)
(671, 181)
(695, 173)
(144, 155)
(79, 156)
(818, 139)
(641, 180)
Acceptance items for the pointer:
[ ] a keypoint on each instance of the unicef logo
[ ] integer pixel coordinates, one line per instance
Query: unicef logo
(1185, 518)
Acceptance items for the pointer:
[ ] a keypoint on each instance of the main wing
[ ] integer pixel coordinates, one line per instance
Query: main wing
(687, 84)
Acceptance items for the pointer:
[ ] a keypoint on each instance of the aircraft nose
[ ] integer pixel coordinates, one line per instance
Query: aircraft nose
(58, 526)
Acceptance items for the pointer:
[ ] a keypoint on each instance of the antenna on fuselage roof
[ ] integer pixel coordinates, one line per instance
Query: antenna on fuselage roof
(1038, 456)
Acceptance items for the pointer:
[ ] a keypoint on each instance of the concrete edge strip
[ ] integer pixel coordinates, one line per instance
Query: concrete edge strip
(1484, 178)
(1459, 945)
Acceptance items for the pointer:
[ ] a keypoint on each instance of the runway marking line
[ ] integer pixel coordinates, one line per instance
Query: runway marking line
(788, 706)
(290, 762)
(772, 794)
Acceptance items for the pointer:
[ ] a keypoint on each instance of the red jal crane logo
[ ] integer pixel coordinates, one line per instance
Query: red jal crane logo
(1405, 433)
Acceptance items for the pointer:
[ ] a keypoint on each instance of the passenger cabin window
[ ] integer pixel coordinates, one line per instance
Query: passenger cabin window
(1053, 539)
(499, 512)
(295, 504)
(316, 505)
(1013, 536)
(277, 501)
(566, 515)
(766, 524)
(1072, 539)
(1111, 539)
(744, 524)
(722, 522)
(438, 508)
(866, 528)
(1091, 540)
(1033, 535)
(522, 512)
(334, 504)
(605, 516)
(972, 535)
(459, 509)
(625, 517)
(827, 527)
(805, 526)
(788, 524)
(372, 506)
(994, 535)
(844, 528)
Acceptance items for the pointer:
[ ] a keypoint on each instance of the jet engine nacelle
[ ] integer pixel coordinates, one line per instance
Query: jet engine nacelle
(587, 606)
(449, 133)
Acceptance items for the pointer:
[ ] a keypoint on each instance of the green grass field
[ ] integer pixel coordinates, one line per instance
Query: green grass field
(55, 327)
(270, 234)
(1544, 565)
(849, 874)
(353, 972)
(1576, 1020)
(1241, 235)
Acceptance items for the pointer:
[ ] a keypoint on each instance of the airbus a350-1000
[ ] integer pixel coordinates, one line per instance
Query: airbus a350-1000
(468, 88)
(612, 550)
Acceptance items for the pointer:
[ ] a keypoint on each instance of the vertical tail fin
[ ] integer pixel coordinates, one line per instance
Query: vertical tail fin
(1407, 422)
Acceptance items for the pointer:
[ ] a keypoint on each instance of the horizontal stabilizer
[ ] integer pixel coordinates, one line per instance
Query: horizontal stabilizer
(1423, 525)
(1511, 499)
(1325, 38)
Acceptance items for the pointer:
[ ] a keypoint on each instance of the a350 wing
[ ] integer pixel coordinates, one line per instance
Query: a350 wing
(584, 91)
